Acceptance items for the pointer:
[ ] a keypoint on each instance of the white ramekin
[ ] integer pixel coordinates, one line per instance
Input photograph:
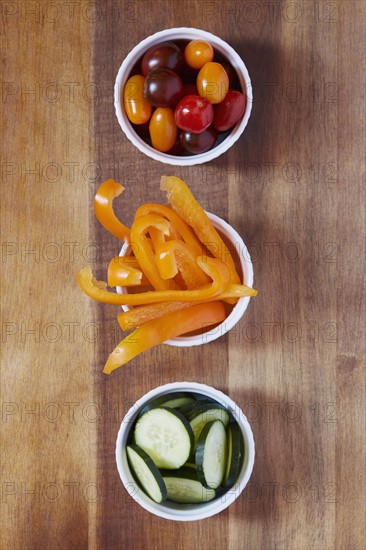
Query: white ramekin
(176, 511)
(182, 33)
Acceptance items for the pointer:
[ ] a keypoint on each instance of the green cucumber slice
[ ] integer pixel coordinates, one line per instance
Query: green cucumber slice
(202, 413)
(166, 436)
(211, 454)
(184, 486)
(235, 454)
(172, 401)
(146, 473)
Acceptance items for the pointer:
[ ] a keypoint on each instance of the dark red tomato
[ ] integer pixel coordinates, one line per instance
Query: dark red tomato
(231, 73)
(177, 148)
(165, 55)
(190, 88)
(198, 143)
(193, 114)
(229, 111)
(188, 74)
(163, 88)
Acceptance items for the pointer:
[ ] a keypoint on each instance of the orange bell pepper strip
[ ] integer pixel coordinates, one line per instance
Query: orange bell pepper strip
(182, 200)
(143, 251)
(139, 315)
(125, 271)
(237, 291)
(179, 228)
(159, 330)
(215, 269)
(174, 256)
(103, 208)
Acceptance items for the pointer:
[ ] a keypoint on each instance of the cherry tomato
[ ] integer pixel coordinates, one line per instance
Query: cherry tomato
(198, 143)
(229, 111)
(197, 53)
(193, 114)
(188, 74)
(163, 130)
(213, 82)
(190, 89)
(137, 108)
(177, 148)
(165, 55)
(163, 88)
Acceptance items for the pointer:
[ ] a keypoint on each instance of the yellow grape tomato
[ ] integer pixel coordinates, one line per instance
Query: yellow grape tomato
(197, 53)
(137, 108)
(163, 130)
(213, 82)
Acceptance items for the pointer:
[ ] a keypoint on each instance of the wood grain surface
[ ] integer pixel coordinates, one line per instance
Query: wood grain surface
(293, 187)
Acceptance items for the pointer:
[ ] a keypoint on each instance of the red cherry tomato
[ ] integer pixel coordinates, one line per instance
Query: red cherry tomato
(197, 53)
(162, 56)
(198, 143)
(229, 111)
(163, 130)
(193, 114)
(163, 88)
(213, 82)
(137, 108)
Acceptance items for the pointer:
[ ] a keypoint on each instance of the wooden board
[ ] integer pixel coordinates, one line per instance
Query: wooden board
(293, 187)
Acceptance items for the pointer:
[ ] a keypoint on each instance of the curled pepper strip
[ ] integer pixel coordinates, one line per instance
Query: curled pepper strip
(177, 225)
(182, 200)
(143, 251)
(159, 330)
(173, 256)
(215, 269)
(125, 271)
(103, 208)
(157, 237)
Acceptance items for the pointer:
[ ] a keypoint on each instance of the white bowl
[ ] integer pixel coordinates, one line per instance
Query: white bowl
(182, 33)
(168, 509)
(231, 236)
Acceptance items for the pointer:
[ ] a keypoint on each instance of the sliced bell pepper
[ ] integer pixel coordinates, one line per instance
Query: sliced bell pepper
(173, 256)
(137, 316)
(215, 269)
(177, 225)
(125, 271)
(143, 251)
(103, 208)
(183, 201)
(159, 330)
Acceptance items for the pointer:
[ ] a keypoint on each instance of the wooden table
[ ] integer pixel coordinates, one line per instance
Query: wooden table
(293, 187)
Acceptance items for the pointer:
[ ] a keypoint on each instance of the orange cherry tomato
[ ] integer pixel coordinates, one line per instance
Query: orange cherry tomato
(213, 82)
(163, 130)
(197, 53)
(137, 108)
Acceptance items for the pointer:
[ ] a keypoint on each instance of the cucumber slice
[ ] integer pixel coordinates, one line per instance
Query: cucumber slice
(183, 486)
(166, 436)
(235, 454)
(211, 454)
(202, 413)
(146, 473)
(172, 401)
